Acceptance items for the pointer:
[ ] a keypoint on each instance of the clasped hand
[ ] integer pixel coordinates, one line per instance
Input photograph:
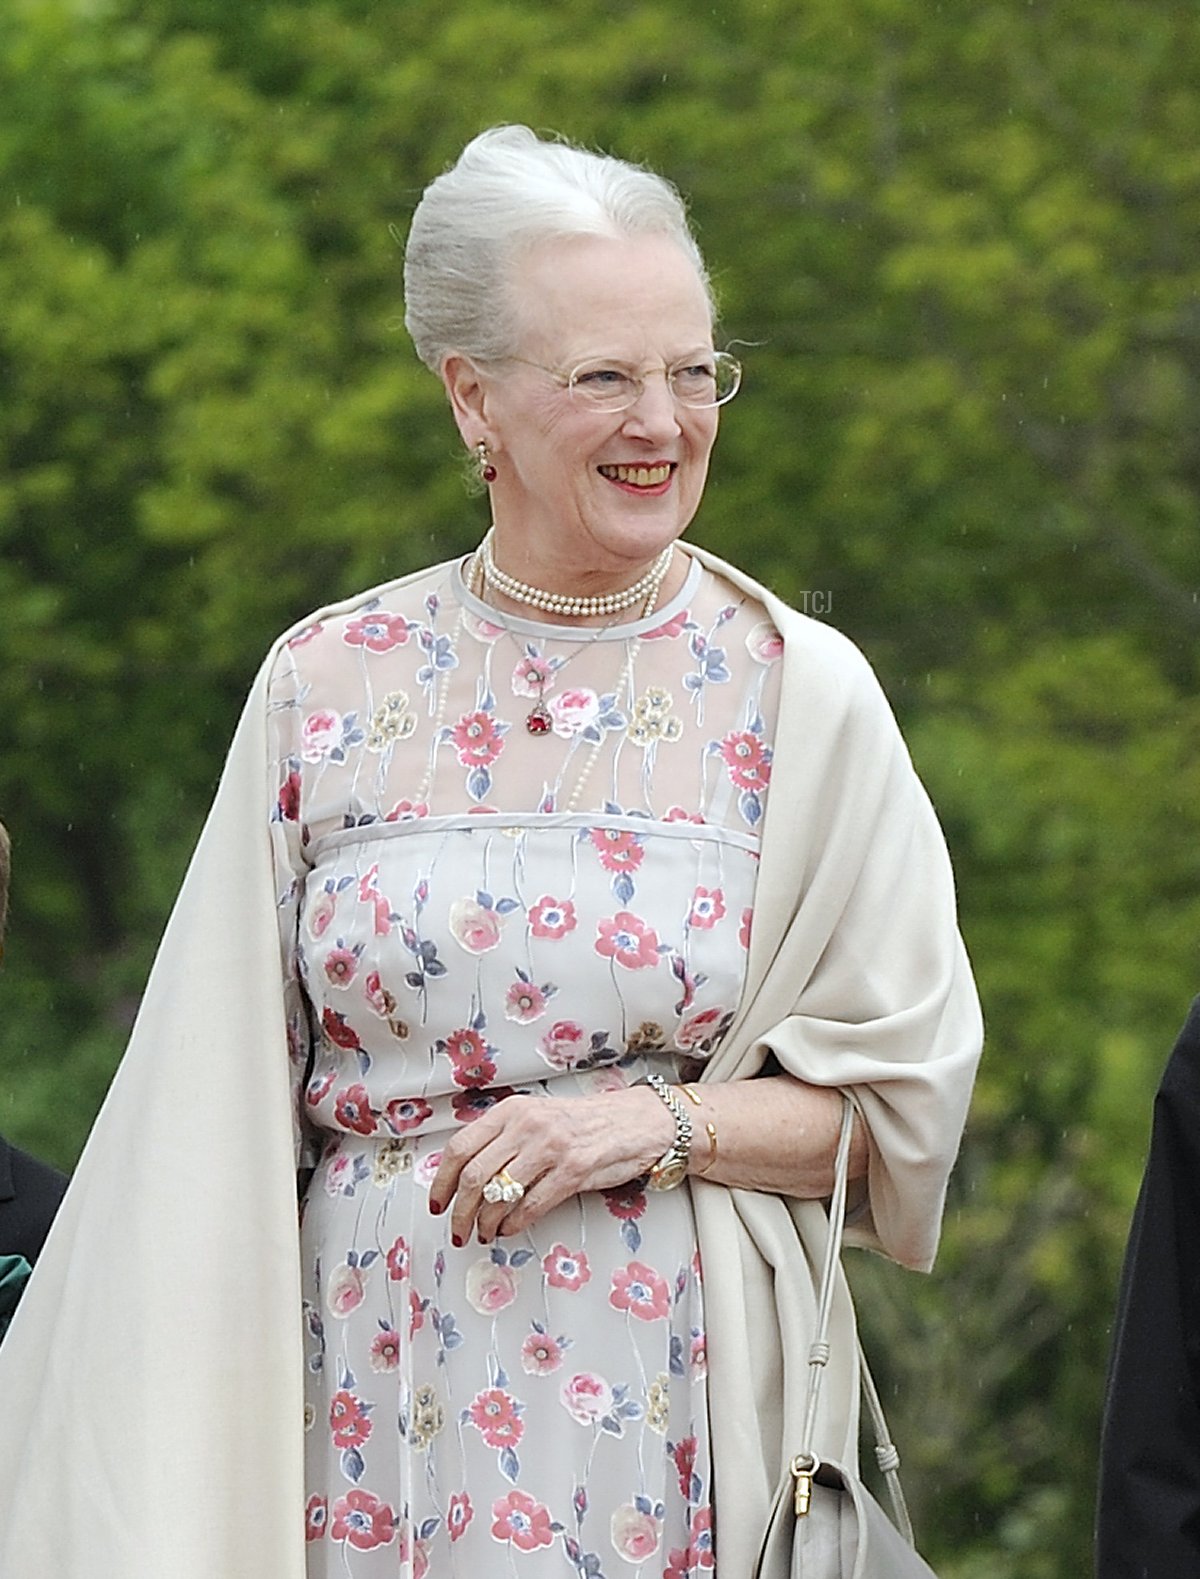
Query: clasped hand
(555, 1146)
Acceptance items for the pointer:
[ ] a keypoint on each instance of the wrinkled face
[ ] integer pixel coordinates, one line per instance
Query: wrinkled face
(581, 492)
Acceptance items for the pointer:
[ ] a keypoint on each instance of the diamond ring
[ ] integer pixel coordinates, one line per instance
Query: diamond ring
(503, 1187)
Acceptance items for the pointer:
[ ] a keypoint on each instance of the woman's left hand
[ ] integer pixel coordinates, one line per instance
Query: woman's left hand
(556, 1147)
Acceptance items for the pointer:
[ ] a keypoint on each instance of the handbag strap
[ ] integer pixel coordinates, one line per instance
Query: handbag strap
(806, 1463)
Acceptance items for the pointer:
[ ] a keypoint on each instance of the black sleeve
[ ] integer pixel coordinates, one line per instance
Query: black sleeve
(30, 1194)
(1148, 1510)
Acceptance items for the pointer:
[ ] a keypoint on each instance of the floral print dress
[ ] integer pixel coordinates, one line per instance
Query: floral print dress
(468, 910)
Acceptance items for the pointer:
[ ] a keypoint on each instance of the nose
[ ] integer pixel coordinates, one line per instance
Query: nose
(655, 413)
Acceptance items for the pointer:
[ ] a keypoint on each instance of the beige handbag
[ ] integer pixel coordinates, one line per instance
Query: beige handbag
(824, 1523)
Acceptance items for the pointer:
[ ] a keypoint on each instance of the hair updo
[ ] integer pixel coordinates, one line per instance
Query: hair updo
(508, 191)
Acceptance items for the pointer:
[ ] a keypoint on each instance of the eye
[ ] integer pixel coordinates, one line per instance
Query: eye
(694, 376)
(602, 380)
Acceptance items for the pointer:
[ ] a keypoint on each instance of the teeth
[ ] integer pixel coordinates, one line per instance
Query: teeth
(639, 476)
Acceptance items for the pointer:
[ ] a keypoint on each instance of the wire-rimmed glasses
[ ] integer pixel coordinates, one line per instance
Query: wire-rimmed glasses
(708, 379)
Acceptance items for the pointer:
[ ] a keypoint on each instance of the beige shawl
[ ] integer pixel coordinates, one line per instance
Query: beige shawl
(151, 1383)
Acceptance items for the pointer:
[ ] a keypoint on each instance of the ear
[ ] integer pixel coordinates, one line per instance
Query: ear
(468, 393)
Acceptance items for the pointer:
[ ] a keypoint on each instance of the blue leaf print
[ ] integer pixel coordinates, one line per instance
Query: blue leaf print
(677, 1355)
(750, 806)
(612, 1425)
(367, 1257)
(631, 1234)
(479, 782)
(347, 1380)
(519, 1258)
(623, 887)
(510, 1464)
(505, 907)
(644, 1505)
(499, 1255)
(429, 1527)
(482, 897)
(352, 1464)
(693, 682)
(435, 968)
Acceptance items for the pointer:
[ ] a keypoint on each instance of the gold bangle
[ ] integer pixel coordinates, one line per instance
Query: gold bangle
(710, 1129)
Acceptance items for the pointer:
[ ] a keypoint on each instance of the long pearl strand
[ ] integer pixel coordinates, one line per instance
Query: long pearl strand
(560, 602)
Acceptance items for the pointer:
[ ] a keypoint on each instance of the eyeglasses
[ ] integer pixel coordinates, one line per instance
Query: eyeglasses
(711, 380)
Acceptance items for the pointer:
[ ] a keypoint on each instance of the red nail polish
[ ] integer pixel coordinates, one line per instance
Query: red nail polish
(456, 1241)
(435, 1206)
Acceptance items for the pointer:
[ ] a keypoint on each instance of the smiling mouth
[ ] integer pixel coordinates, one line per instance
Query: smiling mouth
(639, 476)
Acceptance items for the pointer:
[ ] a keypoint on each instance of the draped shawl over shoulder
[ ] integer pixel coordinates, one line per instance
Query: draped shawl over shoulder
(151, 1384)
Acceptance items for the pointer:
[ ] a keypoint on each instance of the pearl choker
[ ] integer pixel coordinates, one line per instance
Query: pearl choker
(560, 602)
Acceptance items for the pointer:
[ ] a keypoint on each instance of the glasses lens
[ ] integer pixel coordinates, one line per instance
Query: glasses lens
(606, 388)
(708, 383)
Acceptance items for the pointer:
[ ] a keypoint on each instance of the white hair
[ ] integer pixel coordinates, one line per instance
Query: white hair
(508, 191)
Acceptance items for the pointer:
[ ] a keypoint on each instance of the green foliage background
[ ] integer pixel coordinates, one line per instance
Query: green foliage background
(958, 246)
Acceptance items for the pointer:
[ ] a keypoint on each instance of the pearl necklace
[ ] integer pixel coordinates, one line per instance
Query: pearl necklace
(561, 602)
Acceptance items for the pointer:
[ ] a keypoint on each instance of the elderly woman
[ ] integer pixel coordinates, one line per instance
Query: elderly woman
(565, 842)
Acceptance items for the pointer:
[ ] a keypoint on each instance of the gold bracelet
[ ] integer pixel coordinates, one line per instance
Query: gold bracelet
(710, 1129)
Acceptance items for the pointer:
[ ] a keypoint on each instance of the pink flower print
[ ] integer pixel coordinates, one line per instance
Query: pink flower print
(289, 797)
(363, 1519)
(524, 1003)
(625, 1201)
(319, 1087)
(573, 711)
(477, 741)
(352, 1109)
(531, 676)
(678, 1564)
(635, 1535)
(679, 814)
(339, 1175)
(316, 1517)
(564, 1044)
(744, 929)
(381, 1000)
(385, 1350)
(701, 1030)
(684, 1454)
(748, 760)
(699, 1354)
(405, 1113)
(399, 1260)
(522, 1521)
(566, 1268)
(708, 906)
(425, 1169)
(700, 1549)
(301, 638)
(459, 1514)
(473, 1103)
(320, 913)
(416, 1313)
(345, 1290)
(675, 626)
(627, 940)
(476, 1075)
(407, 811)
(586, 1397)
(473, 927)
(552, 918)
(465, 1045)
(320, 734)
(494, 1413)
(618, 849)
(764, 643)
(490, 1288)
(348, 1420)
(378, 631)
(341, 966)
(638, 1289)
(338, 1032)
(541, 1354)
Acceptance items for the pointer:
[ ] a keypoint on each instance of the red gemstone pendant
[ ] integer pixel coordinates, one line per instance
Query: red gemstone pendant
(538, 720)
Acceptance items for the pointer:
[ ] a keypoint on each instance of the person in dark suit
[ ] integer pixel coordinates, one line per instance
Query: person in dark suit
(30, 1191)
(1148, 1508)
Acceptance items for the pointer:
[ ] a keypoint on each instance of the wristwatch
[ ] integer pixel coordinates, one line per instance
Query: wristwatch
(671, 1168)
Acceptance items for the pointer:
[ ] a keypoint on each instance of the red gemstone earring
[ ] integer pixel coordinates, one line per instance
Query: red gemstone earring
(483, 461)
